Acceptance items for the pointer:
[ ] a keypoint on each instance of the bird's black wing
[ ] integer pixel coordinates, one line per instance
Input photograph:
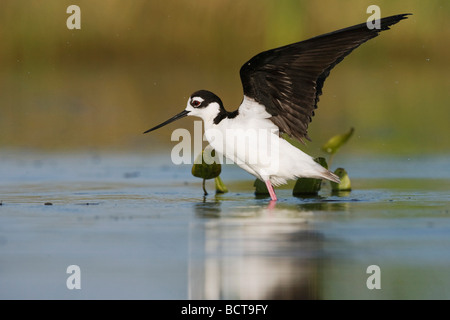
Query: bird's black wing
(288, 80)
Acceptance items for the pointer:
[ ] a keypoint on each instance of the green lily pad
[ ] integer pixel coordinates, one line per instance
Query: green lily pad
(201, 168)
(333, 145)
(220, 186)
(307, 186)
(260, 187)
(345, 184)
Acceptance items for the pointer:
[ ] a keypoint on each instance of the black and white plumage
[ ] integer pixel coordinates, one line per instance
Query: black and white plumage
(289, 80)
(281, 91)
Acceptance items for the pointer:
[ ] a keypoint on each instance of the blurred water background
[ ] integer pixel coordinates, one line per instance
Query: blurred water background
(135, 63)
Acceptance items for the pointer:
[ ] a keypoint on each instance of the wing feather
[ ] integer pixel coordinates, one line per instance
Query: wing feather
(288, 80)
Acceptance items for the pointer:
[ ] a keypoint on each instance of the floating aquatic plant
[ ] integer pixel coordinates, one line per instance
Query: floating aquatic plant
(220, 186)
(331, 147)
(260, 188)
(335, 143)
(345, 184)
(207, 167)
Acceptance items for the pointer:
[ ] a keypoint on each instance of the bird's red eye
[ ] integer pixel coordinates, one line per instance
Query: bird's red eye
(196, 103)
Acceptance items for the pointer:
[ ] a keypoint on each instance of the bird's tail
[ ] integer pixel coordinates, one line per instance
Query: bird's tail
(326, 174)
(317, 171)
(320, 172)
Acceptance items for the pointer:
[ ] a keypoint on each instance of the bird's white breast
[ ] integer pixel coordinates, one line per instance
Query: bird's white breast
(250, 139)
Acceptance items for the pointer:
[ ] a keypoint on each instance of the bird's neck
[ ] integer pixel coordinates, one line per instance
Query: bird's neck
(224, 114)
(209, 114)
(214, 115)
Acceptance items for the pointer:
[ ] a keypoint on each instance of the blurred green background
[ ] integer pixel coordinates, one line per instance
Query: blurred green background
(134, 63)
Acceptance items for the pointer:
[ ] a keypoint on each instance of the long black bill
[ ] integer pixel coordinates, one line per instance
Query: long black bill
(182, 114)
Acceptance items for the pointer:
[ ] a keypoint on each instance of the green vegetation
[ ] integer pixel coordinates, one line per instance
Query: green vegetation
(335, 143)
(345, 184)
(206, 167)
(220, 186)
(260, 188)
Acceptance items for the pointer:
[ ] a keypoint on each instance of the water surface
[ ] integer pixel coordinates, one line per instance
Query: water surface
(139, 227)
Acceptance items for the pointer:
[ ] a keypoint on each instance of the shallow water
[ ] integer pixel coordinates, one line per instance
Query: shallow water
(139, 227)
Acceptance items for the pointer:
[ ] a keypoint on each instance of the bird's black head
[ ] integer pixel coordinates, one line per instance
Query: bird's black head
(203, 104)
(207, 105)
(203, 98)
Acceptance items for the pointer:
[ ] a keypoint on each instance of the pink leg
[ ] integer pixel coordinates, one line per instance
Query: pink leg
(273, 196)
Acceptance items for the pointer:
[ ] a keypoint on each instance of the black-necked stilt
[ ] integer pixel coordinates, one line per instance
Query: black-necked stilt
(281, 90)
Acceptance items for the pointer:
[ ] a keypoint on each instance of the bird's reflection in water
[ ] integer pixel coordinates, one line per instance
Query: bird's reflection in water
(338, 202)
(263, 251)
(208, 209)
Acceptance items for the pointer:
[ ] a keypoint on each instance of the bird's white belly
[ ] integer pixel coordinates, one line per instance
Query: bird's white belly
(260, 152)
(263, 154)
